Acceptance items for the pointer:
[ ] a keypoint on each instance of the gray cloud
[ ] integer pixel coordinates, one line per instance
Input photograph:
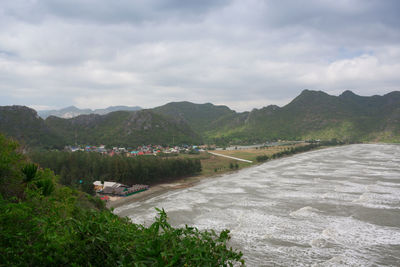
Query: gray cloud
(241, 53)
(111, 12)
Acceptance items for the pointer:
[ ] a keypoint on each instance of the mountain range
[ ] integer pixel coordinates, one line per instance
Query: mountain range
(72, 111)
(311, 115)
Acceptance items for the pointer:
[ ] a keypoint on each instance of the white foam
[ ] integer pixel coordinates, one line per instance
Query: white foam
(126, 207)
(353, 233)
(343, 261)
(305, 212)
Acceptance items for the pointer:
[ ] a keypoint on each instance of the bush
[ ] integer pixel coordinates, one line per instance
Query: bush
(46, 186)
(262, 158)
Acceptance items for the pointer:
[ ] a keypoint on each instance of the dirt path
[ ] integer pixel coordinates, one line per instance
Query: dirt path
(221, 155)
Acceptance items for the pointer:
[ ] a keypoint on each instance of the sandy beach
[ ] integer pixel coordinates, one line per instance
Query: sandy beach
(154, 191)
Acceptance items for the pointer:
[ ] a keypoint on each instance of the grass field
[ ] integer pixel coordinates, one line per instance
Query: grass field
(212, 164)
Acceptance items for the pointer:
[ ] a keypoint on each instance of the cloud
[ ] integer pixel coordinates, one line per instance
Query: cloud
(246, 54)
(362, 74)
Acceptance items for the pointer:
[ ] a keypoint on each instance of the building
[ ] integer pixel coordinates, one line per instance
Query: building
(113, 188)
(99, 186)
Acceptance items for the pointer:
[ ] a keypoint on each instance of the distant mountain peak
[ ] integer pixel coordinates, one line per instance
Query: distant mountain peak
(72, 111)
(306, 92)
(348, 94)
(308, 96)
(272, 107)
(70, 107)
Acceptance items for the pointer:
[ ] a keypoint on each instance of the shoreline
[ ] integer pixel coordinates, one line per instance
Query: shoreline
(159, 189)
(186, 182)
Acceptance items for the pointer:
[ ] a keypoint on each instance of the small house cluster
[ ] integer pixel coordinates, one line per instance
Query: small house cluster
(117, 189)
(139, 151)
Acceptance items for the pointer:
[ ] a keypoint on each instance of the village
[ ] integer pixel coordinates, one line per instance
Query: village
(140, 150)
(159, 149)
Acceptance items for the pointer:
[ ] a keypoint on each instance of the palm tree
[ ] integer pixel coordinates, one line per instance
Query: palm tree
(29, 171)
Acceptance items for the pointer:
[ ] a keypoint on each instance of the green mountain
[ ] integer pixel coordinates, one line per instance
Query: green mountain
(200, 117)
(120, 128)
(124, 128)
(317, 115)
(24, 124)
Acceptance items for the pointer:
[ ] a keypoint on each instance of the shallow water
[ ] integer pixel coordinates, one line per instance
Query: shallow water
(333, 207)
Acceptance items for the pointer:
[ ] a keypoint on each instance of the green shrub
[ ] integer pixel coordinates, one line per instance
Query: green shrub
(262, 158)
(46, 186)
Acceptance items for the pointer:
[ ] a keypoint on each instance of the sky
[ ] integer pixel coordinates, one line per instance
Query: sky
(241, 53)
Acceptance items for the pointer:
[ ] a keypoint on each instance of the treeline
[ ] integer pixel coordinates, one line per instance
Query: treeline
(298, 149)
(45, 224)
(80, 169)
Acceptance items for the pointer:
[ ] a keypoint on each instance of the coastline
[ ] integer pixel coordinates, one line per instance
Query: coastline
(186, 182)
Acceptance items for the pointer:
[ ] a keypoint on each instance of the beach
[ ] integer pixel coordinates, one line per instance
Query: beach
(153, 191)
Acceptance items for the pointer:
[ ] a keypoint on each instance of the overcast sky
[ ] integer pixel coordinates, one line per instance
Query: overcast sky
(244, 54)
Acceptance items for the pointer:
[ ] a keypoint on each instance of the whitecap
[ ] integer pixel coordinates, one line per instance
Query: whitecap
(304, 212)
(319, 242)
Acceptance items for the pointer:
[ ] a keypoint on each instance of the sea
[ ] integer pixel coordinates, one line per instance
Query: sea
(337, 206)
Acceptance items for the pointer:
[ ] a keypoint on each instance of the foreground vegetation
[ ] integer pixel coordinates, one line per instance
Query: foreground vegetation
(45, 224)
